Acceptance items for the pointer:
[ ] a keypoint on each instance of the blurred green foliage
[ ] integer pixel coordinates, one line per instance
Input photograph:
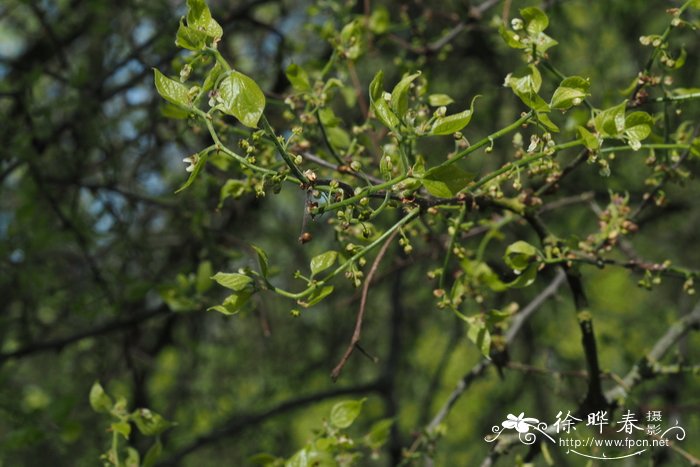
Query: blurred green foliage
(104, 270)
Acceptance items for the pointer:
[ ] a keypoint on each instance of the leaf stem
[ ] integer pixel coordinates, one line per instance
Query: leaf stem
(283, 152)
(487, 140)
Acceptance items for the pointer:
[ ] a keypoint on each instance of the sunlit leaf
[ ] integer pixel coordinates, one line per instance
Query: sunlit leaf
(99, 400)
(171, 90)
(323, 261)
(242, 98)
(453, 123)
(343, 414)
(446, 182)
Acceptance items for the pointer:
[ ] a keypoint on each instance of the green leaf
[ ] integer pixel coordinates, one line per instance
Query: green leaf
(203, 280)
(535, 19)
(233, 304)
(525, 83)
(446, 182)
(510, 38)
(199, 18)
(212, 77)
(99, 400)
(344, 413)
(437, 100)
(637, 128)
(544, 119)
(323, 261)
(611, 122)
(233, 280)
(399, 95)
(589, 139)
(543, 43)
(479, 334)
(380, 20)
(384, 114)
(132, 457)
(242, 98)
(123, 428)
(352, 39)
(201, 162)
(171, 90)
(153, 454)
(379, 105)
(376, 86)
(262, 260)
(298, 77)
(453, 123)
(316, 296)
(520, 255)
(525, 278)
(190, 38)
(572, 91)
(149, 423)
(379, 433)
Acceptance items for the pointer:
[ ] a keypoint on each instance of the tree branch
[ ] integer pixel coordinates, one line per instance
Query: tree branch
(355, 340)
(244, 421)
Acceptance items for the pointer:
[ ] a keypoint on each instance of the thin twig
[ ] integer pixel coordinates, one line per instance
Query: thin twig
(478, 369)
(354, 341)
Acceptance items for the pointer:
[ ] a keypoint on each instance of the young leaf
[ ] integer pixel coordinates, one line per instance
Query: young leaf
(153, 454)
(149, 423)
(544, 119)
(201, 162)
(525, 278)
(611, 122)
(352, 38)
(262, 260)
(637, 128)
(99, 400)
(453, 123)
(212, 77)
(589, 140)
(525, 84)
(536, 21)
(399, 95)
(446, 182)
(203, 280)
(233, 281)
(437, 100)
(233, 304)
(243, 98)
(343, 414)
(572, 91)
(379, 105)
(123, 428)
(520, 255)
(298, 77)
(479, 335)
(379, 433)
(323, 261)
(171, 90)
(199, 18)
(316, 296)
(510, 38)
(190, 38)
(376, 86)
(379, 21)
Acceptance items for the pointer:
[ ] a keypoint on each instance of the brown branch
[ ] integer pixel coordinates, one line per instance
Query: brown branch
(479, 369)
(107, 328)
(244, 421)
(357, 333)
(644, 368)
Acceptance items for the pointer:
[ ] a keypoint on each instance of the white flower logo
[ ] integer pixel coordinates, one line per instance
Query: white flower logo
(522, 425)
(519, 423)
